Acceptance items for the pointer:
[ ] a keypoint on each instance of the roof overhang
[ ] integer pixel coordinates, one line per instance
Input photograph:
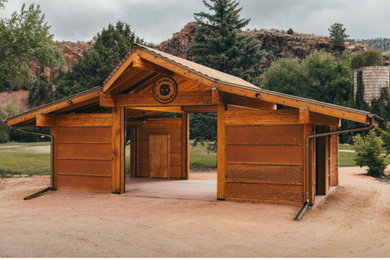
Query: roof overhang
(142, 58)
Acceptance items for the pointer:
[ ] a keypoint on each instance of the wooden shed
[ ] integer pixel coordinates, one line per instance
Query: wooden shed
(261, 149)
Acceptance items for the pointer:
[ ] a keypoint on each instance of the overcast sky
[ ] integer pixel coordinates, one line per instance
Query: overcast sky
(157, 20)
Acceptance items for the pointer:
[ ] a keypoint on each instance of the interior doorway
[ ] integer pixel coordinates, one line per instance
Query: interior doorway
(156, 150)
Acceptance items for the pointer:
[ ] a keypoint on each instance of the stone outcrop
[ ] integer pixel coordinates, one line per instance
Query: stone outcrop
(73, 51)
(276, 43)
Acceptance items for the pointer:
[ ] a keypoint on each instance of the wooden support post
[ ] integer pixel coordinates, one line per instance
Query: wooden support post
(185, 141)
(118, 150)
(133, 165)
(304, 115)
(53, 133)
(221, 152)
(334, 157)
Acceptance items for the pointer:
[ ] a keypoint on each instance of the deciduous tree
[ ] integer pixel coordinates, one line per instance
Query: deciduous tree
(110, 46)
(25, 38)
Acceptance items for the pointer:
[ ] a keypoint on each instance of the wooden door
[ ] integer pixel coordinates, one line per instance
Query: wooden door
(159, 155)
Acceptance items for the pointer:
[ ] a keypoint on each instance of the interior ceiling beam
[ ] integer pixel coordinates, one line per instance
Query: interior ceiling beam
(161, 109)
(133, 79)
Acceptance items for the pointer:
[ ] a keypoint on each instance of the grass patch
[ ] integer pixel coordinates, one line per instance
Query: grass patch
(345, 146)
(24, 163)
(200, 158)
(347, 159)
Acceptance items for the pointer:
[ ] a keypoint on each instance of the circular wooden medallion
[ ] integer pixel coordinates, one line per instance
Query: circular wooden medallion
(165, 90)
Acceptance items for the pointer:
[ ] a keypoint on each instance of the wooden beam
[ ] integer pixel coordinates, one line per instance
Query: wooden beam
(45, 120)
(90, 119)
(320, 119)
(172, 67)
(314, 107)
(200, 109)
(118, 150)
(185, 143)
(65, 104)
(117, 73)
(221, 152)
(251, 102)
(132, 80)
(304, 115)
(143, 64)
(161, 109)
(147, 100)
(134, 123)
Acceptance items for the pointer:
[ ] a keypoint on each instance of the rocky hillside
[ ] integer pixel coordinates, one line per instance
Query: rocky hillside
(73, 51)
(277, 44)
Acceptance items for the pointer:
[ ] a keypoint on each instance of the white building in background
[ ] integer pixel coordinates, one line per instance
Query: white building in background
(375, 78)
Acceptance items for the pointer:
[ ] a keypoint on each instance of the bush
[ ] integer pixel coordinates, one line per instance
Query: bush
(4, 135)
(369, 152)
(290, 31)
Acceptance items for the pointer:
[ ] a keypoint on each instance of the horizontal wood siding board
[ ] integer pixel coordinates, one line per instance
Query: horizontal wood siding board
(95, 119)
(264, 154)
(84, 167)
(83, 183)
(264, 135)
(283, 194)
(85, 151)
(262, 117)
(265, 174)
(84, 135)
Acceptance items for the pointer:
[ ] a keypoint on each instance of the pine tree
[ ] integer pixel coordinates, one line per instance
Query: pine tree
(219, 43)
(337, 36)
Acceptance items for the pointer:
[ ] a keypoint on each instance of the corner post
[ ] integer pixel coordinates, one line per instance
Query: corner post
(118, 150)
(221, 152)
(185, 135)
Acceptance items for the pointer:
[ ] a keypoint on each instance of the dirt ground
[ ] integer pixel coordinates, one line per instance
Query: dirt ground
(353, 221)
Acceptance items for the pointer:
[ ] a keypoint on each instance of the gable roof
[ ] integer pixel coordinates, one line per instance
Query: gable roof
(210, 77)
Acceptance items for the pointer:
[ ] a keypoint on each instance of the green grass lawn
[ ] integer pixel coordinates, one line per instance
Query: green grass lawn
(15, 159)
(345, 147)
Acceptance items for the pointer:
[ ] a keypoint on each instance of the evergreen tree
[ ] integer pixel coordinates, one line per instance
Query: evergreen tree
(219, 44)
(337, 36)
(110, 46)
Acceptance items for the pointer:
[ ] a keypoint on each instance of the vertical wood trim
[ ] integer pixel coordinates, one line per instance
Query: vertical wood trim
(132, 152)
(312, 170)
(307, 130)
(53, 132)
(118, 115)
(334, 159)
(327, 163)
(185, 158)
(137, 159)
(221, 151)
(123, 149)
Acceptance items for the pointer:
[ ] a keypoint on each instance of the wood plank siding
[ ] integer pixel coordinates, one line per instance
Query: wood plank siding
(264, 162)
(83, 158)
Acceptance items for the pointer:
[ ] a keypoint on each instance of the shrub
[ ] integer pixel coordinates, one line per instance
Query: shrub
(4, 135)
(369, 152)
(290, 31)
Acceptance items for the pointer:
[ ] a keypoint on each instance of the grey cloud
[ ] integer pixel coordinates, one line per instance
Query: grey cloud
(157, 20)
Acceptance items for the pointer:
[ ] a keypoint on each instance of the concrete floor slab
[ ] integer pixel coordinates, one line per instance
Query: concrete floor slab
(174, 189)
